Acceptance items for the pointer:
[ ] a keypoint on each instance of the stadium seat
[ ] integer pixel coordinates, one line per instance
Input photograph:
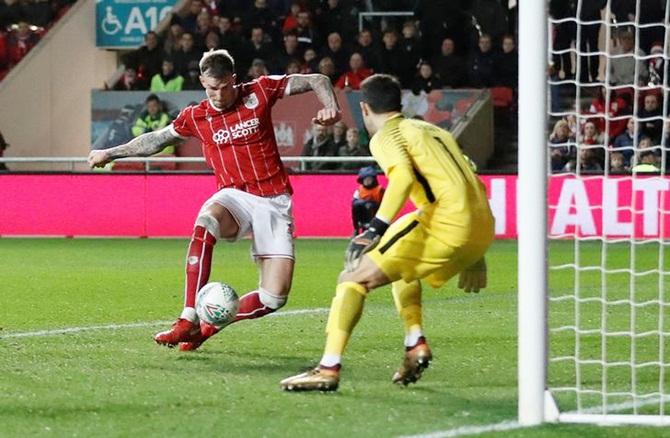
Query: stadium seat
(503, 97)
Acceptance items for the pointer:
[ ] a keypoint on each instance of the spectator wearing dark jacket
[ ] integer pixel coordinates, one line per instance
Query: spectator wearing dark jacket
(148, 59)
(258, 46)
(11, 12)
(290, 52)
(307, 34)
(185, 54)
(332, 17)
(3, 145)
(588, 41)
(189, 19)
(624, 142)
(507, 64)
(425, 80)
(564, 35)
(448, 66)
(411, 51)
(320, 145)
(336, 51)
(651, 110)
(365, 45)
(390, 55)
(261, 16)
(481, 68)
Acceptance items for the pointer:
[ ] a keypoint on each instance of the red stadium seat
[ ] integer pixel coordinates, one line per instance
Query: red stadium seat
(503, 97)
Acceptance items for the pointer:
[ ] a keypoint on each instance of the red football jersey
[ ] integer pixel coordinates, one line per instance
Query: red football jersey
(239, 143)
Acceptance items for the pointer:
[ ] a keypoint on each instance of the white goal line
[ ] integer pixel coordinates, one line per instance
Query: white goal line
(513, 424)
(68, 330)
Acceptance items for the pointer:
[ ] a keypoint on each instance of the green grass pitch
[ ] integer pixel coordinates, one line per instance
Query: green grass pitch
(117, 382)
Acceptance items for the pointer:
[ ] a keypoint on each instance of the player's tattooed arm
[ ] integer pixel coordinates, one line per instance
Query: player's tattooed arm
(142, 146)
(323, 89)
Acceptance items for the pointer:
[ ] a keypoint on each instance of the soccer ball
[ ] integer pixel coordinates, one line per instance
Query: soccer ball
(217, 304)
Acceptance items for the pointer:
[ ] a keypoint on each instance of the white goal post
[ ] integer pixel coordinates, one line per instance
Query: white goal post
(594, 321)
(531, 221)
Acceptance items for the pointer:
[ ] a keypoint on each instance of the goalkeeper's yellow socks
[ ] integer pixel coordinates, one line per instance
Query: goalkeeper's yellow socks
(407, 297)
(345, 311)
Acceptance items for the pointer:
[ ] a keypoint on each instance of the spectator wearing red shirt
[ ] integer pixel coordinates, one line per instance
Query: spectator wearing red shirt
(4, 54)
(234, 125)
(291, 20)
(129, 81)
(352, 78)
(617, 107)
(20, 42)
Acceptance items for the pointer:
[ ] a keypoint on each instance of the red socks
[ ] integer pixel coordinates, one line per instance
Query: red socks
(198, 263)
(251, 307)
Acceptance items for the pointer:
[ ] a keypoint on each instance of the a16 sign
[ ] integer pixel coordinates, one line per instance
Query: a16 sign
(123, 23)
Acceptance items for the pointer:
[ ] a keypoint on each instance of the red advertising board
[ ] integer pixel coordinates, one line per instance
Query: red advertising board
(166, 205)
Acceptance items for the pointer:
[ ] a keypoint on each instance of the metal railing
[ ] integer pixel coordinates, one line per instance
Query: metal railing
(80, 163)
(363, 15)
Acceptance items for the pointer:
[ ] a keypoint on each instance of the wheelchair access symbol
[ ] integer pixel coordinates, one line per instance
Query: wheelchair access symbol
(111, 24)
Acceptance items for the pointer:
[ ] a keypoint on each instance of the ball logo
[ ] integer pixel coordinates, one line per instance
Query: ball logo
(193, 260)
(216, 312)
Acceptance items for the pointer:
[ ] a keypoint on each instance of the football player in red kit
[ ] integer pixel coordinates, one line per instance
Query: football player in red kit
(234, 125)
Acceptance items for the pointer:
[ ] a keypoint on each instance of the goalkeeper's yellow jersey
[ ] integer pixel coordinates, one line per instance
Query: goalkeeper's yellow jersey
(424, 162)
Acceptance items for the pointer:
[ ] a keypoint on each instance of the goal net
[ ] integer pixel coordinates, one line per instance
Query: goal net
(607, 199)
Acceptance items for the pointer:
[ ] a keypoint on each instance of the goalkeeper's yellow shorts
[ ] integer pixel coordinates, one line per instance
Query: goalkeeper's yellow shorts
(412, 250)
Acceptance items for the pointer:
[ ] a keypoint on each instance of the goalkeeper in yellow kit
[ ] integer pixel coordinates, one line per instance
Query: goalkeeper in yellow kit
(448, 233)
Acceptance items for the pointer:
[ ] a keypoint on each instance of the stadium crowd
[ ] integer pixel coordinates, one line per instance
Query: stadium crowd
(436, 48)
(277, 37)
(22, 24)
(617, 121)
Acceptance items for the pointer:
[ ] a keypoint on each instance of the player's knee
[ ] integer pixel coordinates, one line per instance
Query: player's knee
(224, 222)
(209, 223)
(272, 300)
(355, 277)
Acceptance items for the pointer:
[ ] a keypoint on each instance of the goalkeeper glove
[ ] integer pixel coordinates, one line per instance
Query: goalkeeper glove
(474, 277)
(363, 243)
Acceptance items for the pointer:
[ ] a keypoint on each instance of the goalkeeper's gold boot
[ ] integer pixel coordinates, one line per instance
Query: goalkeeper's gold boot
(415, 361)
(318, 379)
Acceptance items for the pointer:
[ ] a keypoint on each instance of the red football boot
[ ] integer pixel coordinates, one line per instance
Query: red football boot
(206, 332)
(182, 331)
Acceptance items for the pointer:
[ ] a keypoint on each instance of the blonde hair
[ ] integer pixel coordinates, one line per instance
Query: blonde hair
(559, 125)
(219, 61)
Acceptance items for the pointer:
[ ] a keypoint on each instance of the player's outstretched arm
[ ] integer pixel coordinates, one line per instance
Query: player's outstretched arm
(142, 146)
(320, 84)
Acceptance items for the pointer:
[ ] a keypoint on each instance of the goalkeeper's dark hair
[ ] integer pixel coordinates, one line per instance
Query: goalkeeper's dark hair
(382, 93)
(217, 64)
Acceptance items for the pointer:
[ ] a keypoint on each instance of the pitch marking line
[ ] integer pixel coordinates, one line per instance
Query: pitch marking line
(513, 424)
(67, 330)
(469, 430)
